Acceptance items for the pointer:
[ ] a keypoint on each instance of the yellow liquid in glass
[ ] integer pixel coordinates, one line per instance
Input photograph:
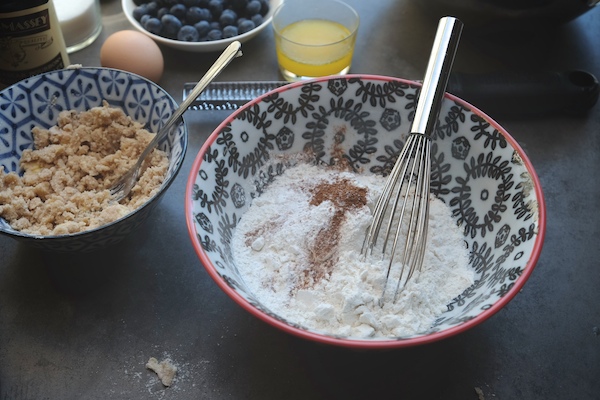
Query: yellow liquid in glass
(315, 47)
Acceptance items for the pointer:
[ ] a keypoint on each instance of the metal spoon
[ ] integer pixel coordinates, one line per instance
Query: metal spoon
(123, 186)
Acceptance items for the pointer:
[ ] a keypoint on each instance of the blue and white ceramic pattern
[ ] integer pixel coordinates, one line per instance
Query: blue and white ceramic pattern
(477, 169)
(37, 101)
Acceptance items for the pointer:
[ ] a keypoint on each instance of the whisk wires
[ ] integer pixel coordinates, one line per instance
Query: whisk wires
(402, 211)
(404, 202)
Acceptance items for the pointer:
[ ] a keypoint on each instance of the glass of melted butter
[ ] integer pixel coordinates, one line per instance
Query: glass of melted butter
(314, 38)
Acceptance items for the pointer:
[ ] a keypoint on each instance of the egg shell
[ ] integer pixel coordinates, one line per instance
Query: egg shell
(133, 51)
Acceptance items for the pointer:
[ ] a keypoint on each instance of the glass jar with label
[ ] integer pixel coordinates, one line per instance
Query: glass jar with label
(31, 41)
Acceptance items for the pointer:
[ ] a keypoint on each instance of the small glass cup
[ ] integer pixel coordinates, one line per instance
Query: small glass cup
(80, 22)
(314, 38)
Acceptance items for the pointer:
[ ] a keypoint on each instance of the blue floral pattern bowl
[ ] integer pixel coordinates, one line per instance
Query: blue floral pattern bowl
(478, 169)
(37, 101)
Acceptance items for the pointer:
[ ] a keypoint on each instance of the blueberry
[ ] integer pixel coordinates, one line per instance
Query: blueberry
(188, 33)
(216, 7)
(215, 34)
(215, 25)
(264, 7)
(246, 26)
(203, 3)
(193, 15)
(171, 25)
(230, 31)
(144, 19)
(162, 11)
(191, 3)
(257, 19)
(178, 10)
(228, 17)
(140, 11)
(153, 25)
(152, 8)
(205, 14)
(253, 7)
(203, 27)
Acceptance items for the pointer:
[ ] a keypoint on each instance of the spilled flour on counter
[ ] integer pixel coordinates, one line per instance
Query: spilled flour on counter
(298, 246)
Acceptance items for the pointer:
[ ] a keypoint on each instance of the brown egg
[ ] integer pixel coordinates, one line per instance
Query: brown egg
(134, 52)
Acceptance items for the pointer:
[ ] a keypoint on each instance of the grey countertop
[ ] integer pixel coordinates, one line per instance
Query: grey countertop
(83, 327)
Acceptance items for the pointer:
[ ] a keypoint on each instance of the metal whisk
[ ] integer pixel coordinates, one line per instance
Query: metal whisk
(407, 189)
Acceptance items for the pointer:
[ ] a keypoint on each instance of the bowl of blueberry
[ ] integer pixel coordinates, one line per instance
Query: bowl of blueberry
(200, 25)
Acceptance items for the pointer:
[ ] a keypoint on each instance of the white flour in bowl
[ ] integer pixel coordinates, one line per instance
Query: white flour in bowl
(298, 249)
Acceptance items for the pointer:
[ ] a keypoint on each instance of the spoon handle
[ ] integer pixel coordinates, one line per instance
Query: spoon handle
(232, 51)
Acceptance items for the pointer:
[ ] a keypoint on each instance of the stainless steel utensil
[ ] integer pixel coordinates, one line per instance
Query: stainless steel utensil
(407, 188)
(123, 186)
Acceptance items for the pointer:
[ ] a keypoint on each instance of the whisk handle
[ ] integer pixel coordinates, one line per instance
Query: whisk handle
(438, 70)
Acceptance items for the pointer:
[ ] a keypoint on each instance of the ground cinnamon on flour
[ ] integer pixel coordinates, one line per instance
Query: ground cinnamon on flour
(323, 254)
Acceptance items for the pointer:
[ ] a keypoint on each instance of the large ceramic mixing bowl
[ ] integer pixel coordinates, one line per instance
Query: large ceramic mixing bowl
(479, 171)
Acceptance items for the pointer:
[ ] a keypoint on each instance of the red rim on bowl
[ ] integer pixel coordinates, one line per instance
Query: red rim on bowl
(368, 343)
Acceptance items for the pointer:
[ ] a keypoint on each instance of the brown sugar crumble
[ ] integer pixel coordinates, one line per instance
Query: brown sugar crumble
(66, 176)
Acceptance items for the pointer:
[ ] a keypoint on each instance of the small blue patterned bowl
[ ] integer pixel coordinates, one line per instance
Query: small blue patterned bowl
(478, 170)
(37, 101)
